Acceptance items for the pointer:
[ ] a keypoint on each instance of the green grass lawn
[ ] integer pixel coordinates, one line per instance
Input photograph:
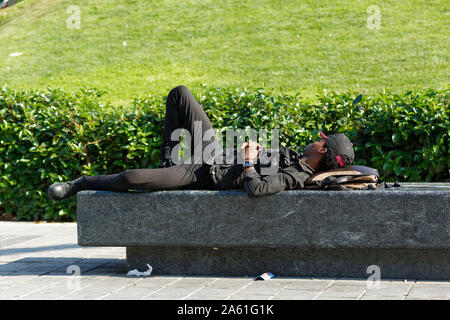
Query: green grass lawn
(133, 48)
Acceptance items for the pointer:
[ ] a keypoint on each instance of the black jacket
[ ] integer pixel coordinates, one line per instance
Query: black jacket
(267, 178)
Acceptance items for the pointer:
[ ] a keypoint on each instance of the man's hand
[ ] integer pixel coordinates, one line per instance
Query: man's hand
(251, 150)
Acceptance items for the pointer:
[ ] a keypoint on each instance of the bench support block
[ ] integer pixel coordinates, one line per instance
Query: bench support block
(295, 262)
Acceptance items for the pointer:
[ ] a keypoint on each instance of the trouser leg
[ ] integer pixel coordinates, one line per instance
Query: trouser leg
(182, 176)
(183, 111)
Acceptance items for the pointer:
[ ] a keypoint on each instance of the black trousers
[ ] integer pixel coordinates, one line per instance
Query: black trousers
(182, 110)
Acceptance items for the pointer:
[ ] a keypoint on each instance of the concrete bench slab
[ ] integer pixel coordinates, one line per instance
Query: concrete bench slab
(405, 231)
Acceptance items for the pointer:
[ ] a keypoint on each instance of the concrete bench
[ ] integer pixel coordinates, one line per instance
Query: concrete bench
(404, 231)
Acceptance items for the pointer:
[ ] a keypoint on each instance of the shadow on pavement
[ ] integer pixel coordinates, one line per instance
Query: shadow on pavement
(64, 266)
(4, 252)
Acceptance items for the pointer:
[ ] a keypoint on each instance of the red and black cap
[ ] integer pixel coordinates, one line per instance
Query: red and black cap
(340, 145)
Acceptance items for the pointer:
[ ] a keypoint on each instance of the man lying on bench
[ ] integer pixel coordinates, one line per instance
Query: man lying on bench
(183, 111)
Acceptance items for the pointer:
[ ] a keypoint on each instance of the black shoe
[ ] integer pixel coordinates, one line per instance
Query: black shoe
(165, 163)
(64, 190)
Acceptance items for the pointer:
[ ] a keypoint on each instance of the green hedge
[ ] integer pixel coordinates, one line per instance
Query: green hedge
(53, 136)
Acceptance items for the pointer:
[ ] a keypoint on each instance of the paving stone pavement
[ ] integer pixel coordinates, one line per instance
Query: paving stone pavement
(43, 261)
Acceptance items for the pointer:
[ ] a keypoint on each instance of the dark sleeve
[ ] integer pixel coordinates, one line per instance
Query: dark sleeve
(257, 186)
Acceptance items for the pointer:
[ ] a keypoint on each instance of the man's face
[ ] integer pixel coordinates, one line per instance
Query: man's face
(315, 148)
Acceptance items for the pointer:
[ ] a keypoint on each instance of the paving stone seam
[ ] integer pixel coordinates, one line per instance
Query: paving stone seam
(366, 289)
(117, 290)
(197, 290)
(408, 291)
(79, 289)
(238, 290)
(279, 291)
(159, 289)
(39, 289)
(22, 281)
(324, 289)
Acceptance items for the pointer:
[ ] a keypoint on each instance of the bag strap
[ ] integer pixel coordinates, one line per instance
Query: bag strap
(395, 185)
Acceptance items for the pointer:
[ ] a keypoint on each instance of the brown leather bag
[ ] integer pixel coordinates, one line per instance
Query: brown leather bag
(353, 177)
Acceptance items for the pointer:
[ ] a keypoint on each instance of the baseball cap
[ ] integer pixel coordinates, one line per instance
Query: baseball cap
(340, 145)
